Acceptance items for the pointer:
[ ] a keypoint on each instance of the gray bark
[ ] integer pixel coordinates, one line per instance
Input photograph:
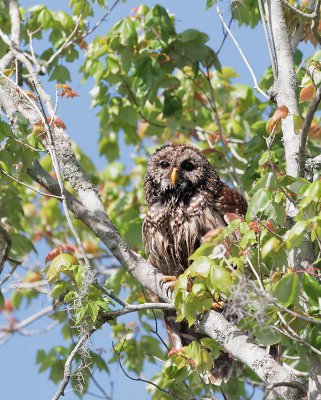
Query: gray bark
(314, 392)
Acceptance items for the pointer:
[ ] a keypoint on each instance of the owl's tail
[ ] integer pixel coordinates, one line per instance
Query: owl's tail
(180, 334)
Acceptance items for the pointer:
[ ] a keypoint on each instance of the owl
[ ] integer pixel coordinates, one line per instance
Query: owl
(185, 199)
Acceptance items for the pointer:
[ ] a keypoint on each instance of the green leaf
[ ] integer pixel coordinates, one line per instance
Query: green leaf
(60, 74)
(260, 201)
(5, 130)
(59, 289)
(62, 260)
(266, 335)
(219, 280)
(312, 193)
(128, 32)
(69, 296)
(172, 104)
(212, 346)
(45, 19)
(298, 124)
(270, 247)
(158, 19)
(312, 288)
(193, 35)
(201, 267)
(295, 235)
(210, 3)
(286, 290)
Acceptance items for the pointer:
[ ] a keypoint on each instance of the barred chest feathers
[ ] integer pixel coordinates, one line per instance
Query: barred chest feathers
(176, 231)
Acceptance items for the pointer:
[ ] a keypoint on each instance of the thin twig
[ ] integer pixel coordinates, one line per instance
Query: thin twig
(301, 13)
(256, 85)
(118, 354)
(224, 37)
(259, 281)
(110, 293)
(67, 42)
(67, 369)
(9, 273)
(102, 19)
(26, 145)
(100, 388)
(137, 307)
(19, 325)
(296, 385)
(267, 37)
(295, 336)
(28, 186)
(300, 316)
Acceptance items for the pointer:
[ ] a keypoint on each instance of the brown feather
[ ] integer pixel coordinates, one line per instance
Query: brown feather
(179, 215)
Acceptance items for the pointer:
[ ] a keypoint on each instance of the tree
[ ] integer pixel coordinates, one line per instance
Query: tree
(154, 84)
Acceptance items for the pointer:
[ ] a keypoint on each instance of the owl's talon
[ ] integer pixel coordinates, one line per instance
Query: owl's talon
(174, 351)
(217, 305)
(169, 278)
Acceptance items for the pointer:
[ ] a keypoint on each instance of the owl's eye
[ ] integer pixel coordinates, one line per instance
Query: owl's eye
(164, 164)
(188, 166)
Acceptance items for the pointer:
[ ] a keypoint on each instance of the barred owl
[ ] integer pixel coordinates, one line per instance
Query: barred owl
(185, 199)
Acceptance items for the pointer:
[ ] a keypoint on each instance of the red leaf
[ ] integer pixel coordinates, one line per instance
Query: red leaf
(61, 249)
(66, 248)
(268, 224)
(254, 226)
(53, 254)
(307, 93)
(57, 122)
(274, 123)
(66, 90)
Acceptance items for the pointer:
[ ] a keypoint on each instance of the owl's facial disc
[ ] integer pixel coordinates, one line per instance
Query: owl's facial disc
(177, 169)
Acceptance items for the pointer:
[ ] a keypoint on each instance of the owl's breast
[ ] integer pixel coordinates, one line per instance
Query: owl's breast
(172, 234)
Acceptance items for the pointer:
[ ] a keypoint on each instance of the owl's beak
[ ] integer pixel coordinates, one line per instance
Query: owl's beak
(174, 176)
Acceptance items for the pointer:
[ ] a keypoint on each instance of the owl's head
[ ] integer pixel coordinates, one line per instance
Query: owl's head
(178, 169)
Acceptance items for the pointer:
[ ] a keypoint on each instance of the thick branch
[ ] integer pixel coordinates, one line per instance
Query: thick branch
(6, 60)
(234, 341)
(15, 22)
(90, 211)
(315, 377)
(285, 85)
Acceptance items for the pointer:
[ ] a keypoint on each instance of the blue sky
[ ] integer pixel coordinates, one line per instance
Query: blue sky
(18, 372)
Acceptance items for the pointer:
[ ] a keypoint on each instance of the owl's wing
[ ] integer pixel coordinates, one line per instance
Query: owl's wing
(230, 203)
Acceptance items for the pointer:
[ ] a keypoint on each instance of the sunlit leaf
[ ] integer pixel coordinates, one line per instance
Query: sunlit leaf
(312, 288)
(286, 290)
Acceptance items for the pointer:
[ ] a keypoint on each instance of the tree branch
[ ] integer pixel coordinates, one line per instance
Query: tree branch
(15, 22)
(295, 385)
(256, 85)
(315, 377)
(91, 211)
(305, 130)
(67, 369)
(232, 339)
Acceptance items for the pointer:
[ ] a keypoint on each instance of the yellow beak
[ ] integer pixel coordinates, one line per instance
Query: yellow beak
(174, 176)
